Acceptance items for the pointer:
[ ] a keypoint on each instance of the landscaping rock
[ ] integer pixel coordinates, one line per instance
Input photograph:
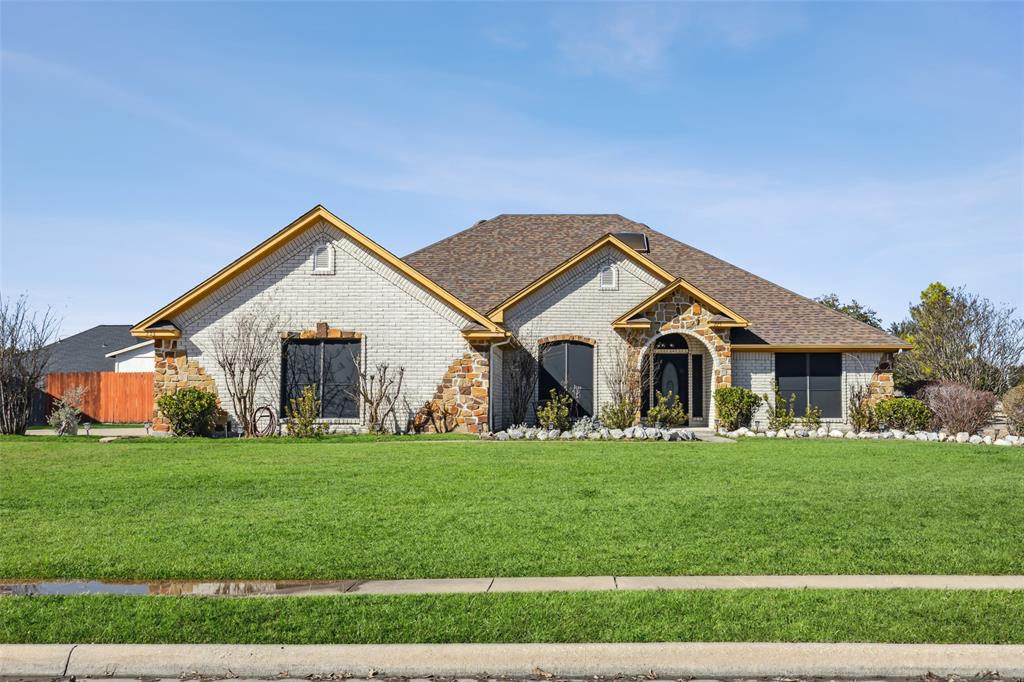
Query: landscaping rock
(822, 431)
(639, 433)
(1002, 441)
(629, 432)
(782, 433)
(108, 439)
(835, 433)
(770, 434)
(617, 434)
(851, 435)
(542, 435)
(976, 440)
(594, 435)
(897, 434)
(566, 435)
(987, 440)
(501, 435)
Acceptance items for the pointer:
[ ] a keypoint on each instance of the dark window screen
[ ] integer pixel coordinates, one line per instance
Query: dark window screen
(331, 366)
(568, 367)
(814, 378)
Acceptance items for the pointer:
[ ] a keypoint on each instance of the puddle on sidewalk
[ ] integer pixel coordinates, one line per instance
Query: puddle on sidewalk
(238, 588)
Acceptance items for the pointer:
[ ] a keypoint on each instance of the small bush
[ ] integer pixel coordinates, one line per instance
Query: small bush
(906, 414)
(189, 410)
(735, 406)
(586, 425)
(959, 408)
(781, 413)
(1013, 406)
(861, 411)
(620, 415)
(666, 414)
(68, 411)
(812, 418)
(303, 413)
(553, 413)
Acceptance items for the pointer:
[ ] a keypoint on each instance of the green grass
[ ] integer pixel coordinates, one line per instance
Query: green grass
(985, 617)
(154, 508)
(95, 425)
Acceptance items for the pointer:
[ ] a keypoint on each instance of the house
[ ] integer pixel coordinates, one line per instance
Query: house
(583, 294)
(138, 357)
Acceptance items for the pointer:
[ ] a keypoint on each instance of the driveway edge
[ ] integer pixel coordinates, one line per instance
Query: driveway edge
(664, 659)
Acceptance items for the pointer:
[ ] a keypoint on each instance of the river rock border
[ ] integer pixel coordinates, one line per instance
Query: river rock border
(632, 433)
(895, 434)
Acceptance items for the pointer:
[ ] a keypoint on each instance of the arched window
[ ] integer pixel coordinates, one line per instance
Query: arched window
(568, 367)
(323, 259)
(609, 277)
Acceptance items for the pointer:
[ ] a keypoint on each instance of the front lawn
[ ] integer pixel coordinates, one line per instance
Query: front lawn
(148, 509)
(983, 617)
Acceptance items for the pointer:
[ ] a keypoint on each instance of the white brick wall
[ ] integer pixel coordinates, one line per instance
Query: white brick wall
(756, 371)
(401, 323)
(574, 303)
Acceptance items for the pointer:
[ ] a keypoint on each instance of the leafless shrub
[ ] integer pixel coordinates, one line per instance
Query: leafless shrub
(625, 385)
(959, 408)
(380, 390)
(248, 353)
(521, 376)
(24, 337)
(68, 411)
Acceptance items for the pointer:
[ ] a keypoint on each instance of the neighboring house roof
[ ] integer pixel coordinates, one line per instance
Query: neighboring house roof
(157, 325)
(514, 251)
(87, 351)
(129, 349)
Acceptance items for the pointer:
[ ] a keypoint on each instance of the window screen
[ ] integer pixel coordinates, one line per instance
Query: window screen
(568, 367)
(814, 378)
(329, 365)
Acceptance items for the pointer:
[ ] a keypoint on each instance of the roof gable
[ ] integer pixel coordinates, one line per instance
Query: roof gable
(497, 313)
(731, 318)
(148, 327)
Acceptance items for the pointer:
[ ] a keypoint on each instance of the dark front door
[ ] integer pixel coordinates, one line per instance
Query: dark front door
(673, 377)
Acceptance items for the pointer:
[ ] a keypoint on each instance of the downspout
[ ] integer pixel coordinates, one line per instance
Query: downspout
(490, 390)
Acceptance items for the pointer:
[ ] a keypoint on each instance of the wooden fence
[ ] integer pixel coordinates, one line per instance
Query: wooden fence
(125, 397)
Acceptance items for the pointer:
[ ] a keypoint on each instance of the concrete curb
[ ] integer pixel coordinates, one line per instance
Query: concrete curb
(664, 659)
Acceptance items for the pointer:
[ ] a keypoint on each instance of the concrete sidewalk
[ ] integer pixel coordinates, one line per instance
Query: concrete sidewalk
(665, 660)
(303, 588)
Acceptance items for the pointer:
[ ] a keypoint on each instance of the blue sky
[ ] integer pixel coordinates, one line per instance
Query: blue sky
(866, 149)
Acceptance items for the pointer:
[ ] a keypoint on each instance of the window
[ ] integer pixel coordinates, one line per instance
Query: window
(609, 277)
(331, 365)
(323, 259)
(568, 367)
(814, 378)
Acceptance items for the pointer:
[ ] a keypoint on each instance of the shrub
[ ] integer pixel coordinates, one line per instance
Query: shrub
(586, 425)
(189, 410)
(553, 413)
(735, 406)
(303, 413)
(781, 414)
(1013, 406)
(812, 418)
(664, 413)
(68, 411)
(957, 407)
(620, 415)
(906, 414)
(861, 412)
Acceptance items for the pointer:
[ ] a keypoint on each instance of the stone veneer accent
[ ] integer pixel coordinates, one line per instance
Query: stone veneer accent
(463, 392)
(322, 331)
(881, 386)
(172, 371)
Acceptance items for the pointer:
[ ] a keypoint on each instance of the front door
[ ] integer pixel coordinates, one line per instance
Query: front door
(674, 378)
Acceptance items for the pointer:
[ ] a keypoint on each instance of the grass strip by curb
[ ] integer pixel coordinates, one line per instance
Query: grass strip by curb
(899, 616)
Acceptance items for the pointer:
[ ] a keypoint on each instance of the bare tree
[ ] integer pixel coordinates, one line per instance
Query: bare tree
(24, 337)
(521, 372)
(963, 338)
(248, 353)
(622, 376)
(380, 390)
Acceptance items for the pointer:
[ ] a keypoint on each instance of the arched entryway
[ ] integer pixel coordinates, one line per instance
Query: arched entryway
(680, 365)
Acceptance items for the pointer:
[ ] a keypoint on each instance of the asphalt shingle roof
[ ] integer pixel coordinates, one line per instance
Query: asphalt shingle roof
(84, 351)
(492, 260)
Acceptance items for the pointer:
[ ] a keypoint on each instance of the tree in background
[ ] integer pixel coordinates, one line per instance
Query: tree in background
(857, 311)
(960, 337)
(24, 337)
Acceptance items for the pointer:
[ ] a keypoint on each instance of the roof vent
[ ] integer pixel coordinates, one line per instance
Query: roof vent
(634, 240)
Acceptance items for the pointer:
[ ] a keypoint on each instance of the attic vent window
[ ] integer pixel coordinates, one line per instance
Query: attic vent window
(323, 259)
(609, 277)
(634, 240)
